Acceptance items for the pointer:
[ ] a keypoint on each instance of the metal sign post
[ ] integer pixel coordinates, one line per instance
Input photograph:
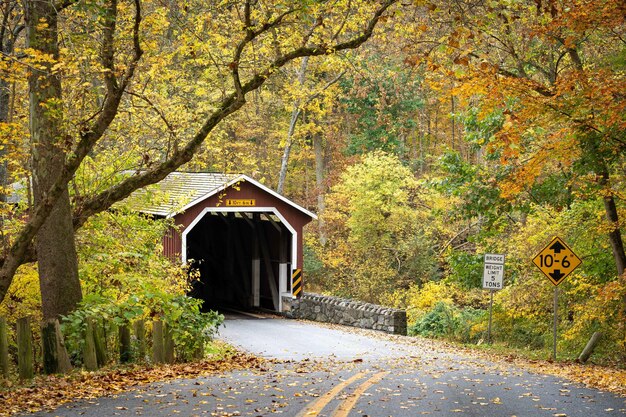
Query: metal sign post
(554, 330)
(493, 277)
(490, 316)
(556, 261)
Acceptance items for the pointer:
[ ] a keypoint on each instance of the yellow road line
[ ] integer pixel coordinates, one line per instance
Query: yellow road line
(348, 404)
(318, 405)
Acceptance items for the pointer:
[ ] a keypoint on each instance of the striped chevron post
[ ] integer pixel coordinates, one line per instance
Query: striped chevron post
(296, 283)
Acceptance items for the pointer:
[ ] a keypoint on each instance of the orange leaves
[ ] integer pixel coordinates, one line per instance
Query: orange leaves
(52, 391)
(558, 73)
(580, 16)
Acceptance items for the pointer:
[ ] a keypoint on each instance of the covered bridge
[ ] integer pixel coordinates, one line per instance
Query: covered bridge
(243, 238)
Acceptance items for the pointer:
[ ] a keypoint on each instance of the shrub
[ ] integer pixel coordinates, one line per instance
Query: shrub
(441, 321)
(191, 328)
(444, 320)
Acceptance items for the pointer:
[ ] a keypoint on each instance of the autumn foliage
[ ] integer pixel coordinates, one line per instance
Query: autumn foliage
(458, 129)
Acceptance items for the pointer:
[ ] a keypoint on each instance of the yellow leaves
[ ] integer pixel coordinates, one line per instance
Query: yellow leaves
(42, 24)
(24, 297)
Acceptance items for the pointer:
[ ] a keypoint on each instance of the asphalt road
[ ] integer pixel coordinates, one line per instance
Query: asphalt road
(338, 372)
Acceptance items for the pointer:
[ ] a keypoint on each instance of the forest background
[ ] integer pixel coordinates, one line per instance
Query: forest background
(457, 129)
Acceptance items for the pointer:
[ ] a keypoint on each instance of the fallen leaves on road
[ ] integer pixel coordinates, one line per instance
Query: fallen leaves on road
(51, 391)
(594, 376)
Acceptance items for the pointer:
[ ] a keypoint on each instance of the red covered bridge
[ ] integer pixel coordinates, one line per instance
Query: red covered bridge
(245, 239)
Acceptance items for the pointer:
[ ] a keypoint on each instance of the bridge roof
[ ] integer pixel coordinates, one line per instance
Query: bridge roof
(181, 190)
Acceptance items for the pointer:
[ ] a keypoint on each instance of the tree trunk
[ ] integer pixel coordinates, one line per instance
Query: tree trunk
(615, 235)
(4, 116)
(295, 113)
(320, 168)
(615, 238)
(617, 247)
(56, 252)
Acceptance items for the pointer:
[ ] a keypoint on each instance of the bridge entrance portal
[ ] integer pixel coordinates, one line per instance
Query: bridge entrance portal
(240, 259)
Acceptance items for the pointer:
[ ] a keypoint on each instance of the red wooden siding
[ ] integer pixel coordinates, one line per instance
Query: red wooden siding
(172, 242)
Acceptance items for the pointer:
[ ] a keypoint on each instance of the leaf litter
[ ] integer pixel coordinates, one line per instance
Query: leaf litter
(50, 391)
(593, 376)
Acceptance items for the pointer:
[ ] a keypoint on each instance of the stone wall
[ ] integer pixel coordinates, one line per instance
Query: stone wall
(337, 310)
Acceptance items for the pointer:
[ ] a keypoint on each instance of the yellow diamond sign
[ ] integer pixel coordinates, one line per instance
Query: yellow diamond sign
(556, 261)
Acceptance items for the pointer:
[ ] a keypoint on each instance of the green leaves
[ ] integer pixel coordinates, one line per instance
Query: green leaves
(191, 328)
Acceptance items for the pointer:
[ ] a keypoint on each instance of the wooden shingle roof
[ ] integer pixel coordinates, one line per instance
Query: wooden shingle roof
(181, 190)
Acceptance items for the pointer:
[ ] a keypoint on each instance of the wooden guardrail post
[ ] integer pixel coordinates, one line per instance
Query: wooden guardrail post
(158, 355)
(198, 354)
(168, 344)
(90, 358)
(4, 348)
(126, 353)
(25, 349)
(139, 328)
(99, 343)
(591, 344)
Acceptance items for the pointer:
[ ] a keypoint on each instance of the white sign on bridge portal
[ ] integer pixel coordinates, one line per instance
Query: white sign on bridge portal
(493, 274)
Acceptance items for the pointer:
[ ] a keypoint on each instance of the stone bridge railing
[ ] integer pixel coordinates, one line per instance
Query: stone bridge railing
(329, 309)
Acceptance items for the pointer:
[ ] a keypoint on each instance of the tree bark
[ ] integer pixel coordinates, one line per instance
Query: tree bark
(55, 357)
(615, 238)
(4, 116)
(320, 168)
(615, 235)
(11, 20)
(56, 251)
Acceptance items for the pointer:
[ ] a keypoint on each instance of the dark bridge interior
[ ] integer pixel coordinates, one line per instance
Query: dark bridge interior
(229, 250)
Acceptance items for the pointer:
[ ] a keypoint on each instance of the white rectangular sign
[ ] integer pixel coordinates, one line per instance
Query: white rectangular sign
(493, 274)
(494, 258)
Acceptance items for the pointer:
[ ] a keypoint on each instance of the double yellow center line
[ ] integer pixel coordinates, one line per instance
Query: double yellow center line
(344, 408)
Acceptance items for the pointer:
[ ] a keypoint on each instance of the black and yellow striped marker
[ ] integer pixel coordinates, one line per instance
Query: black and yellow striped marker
(296, 283)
